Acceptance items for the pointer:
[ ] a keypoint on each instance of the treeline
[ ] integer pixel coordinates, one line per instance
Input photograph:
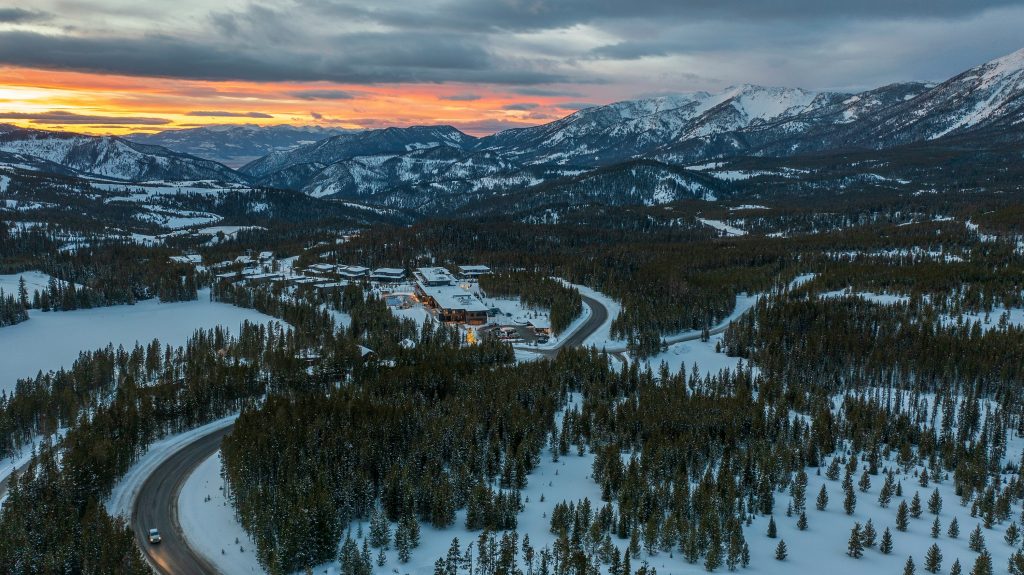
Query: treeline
(113, 403)
(13, 309)
(414, 443)
(536, 290)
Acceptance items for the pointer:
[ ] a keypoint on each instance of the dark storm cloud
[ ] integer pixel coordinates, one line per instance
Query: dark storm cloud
(474, 16)
(521, 106)
(358, 58)
(323, 95)
(537, 91)
(539, 48)
(225, 114)
(21, 16)
(60, 117)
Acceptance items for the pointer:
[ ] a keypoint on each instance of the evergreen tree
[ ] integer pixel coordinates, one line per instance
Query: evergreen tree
(935, 503)
(902, 516)
(868, 535)
(855, 547)
(955, 568)
(781, 552)
(886, 545)
(865, 482)
(936, 528)
(915, 506)
(849, 501)
(954, 529)
(380, 531)
(822, 501)
(801, 522)
(933, 559)
(772, 530)
(1012, 534)
(976, 542)
(1016, 566)
(983, 564)
(909, 568)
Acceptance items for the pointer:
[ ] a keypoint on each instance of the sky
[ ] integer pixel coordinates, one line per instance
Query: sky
(120, 66)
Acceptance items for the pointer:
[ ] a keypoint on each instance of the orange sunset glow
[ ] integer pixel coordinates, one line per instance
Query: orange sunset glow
(110, 104)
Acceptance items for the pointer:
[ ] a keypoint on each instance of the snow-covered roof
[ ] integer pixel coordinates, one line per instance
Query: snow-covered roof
(389, 272)
(453, 297)
(436, 275)
(475, 269)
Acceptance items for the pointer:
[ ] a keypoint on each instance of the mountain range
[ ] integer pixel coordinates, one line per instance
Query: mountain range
(640, 151)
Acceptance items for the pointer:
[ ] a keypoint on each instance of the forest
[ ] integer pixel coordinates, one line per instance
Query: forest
(834, 386)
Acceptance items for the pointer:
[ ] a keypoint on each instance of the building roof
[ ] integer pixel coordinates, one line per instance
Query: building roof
(321, 267)
(479, 269)
(454, 297)
(435, 275)
(352, 270)
(389, 272)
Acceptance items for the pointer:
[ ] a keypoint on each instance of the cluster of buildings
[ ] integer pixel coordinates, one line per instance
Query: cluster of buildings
(447, 294)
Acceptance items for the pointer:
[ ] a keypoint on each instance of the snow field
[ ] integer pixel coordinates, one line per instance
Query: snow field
(52, 340)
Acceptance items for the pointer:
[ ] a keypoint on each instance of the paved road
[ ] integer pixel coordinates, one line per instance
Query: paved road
(598, 315)
(157, 502)
(157, 506)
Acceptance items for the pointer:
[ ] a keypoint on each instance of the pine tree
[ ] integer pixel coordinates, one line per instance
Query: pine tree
(849, 501)
(380, 531)
(801, 522)
(781, 552)
(822, 501)
(772, 530)
(909, 568)
(936, 528)
(983, 564)
(1012, 534)
(935, 503)
(902, 516)
(1016, 566)
(868, 535)
(713, 559)
(933, 559)
(886, 545)
(885, 493)
(745, 556)
(833, 469)
(854, 547)
(976, 542)
(955, 568)
(402, 543)
(865, 482)
(954, 529)
(381, 558)
(915, 506)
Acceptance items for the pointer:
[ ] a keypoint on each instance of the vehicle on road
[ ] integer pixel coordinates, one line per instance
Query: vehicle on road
(154, 536)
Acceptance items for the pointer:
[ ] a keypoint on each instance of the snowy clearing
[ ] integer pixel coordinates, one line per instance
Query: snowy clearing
(52, 340)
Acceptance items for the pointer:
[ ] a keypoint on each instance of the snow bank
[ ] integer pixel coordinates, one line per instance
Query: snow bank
(209, 523)
(122, 497)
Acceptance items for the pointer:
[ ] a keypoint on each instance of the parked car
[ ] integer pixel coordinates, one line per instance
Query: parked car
(154, 536)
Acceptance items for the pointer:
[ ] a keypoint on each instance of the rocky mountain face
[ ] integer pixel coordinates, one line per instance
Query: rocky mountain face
(236, 145)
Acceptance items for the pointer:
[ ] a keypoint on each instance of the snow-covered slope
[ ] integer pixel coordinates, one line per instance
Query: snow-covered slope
(110, 156)
(236, 145)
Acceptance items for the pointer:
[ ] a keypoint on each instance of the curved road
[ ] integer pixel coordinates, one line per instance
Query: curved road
(157, 502)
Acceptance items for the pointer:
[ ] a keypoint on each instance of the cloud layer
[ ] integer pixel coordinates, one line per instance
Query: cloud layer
(671, 44)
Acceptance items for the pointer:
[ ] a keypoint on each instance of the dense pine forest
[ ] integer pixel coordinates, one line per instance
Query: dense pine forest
(893, 364)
